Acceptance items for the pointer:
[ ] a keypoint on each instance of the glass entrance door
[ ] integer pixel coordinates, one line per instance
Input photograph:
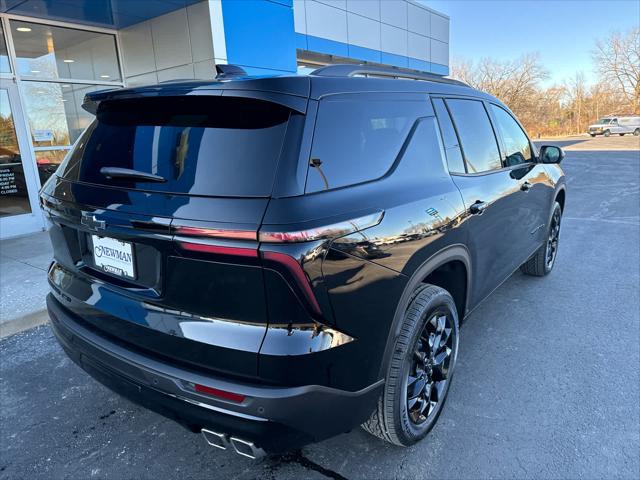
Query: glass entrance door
(19, 211)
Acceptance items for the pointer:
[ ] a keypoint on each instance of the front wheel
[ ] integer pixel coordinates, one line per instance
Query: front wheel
(420, 370)
(621, 134)
(542, 262)
(606, 133)
(592, 134)
(636, 132)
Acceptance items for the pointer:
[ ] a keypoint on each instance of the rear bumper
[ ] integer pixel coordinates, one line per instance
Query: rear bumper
(276, 419)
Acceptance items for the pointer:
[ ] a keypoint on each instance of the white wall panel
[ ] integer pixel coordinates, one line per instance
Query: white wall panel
(171, 39)
(418, 20)
(393, 40)
(200, 31)
(418, 46)
(146, 79)
(176, 73)
(439, 28)
(394, 12)
(205, 70)
(342, 4)
(363, 32)
(439, 52)
(137, 49)
(366, 8)
(299, 16)
(326, 22)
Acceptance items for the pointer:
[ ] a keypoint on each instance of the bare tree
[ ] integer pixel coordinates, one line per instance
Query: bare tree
(618, 60)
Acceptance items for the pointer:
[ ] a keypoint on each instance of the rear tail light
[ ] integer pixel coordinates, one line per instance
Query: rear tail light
(298, 274)
(289, 263)
(216, 233)
(219, 250)
(327, 232)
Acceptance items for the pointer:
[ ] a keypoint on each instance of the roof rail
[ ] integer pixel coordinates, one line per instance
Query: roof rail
(352, 70)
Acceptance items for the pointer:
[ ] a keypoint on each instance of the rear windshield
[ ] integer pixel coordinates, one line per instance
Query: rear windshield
(219, 146)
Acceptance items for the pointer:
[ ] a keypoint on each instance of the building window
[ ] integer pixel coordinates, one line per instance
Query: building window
(47, 52)
(58, 66)
(5, 66)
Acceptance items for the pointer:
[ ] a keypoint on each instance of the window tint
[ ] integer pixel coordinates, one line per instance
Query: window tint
(358, 140)
(476, 135)
(516, 143)
(449, 137)
(200, 145)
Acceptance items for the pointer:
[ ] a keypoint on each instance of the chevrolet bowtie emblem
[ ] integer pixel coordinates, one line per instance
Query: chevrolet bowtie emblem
(90, 220)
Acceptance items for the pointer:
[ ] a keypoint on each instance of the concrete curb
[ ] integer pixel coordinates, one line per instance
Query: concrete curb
(23, 323)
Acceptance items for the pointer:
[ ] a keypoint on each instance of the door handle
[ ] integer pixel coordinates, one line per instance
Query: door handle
(525, 187)
(478, 207)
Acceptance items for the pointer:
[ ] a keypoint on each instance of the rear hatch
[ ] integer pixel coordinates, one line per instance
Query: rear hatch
(154, 219)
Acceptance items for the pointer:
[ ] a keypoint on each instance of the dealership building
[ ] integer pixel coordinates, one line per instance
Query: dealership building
(52, 52)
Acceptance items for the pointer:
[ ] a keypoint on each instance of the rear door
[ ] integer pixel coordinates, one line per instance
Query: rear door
(155, 215)
(535, 188)
(488, 191)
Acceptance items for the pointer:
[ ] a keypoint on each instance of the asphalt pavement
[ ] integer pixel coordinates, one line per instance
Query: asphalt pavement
(546, 386)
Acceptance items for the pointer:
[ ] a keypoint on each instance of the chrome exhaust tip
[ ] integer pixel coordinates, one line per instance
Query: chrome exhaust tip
(247, 449)
(223, 442)
(215, 439)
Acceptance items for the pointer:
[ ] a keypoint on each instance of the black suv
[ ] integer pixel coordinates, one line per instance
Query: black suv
(274, 261)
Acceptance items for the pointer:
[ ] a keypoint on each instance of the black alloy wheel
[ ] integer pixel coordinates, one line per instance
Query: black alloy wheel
(421, 368)
(429, 372)
(554, 237)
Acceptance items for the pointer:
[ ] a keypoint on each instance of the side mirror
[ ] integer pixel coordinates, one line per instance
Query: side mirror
(551, 154)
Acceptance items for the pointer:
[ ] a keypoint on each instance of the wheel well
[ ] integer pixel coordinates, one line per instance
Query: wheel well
(452, 276)
(560, 199)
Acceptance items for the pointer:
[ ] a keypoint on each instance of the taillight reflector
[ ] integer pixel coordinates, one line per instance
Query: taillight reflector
(214, 392)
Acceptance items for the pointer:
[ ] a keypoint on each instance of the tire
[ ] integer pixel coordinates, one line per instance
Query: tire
(636, 132)
(592, 135)
(606, 133)
(542, 262)
(621, 134)
(399, 418)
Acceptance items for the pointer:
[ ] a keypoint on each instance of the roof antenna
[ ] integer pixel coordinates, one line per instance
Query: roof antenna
(229, 71)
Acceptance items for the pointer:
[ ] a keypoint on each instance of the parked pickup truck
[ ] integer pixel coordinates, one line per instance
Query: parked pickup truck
(620, 125)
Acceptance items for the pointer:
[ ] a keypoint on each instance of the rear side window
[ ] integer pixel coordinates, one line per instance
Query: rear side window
(449, 137)
(478, 141)
(516, 144)
(218, 146)
(357, 140)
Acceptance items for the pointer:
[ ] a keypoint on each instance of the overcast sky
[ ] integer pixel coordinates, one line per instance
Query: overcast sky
(563, 32)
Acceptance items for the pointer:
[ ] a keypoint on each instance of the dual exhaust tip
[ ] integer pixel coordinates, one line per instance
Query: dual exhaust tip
(226, 442)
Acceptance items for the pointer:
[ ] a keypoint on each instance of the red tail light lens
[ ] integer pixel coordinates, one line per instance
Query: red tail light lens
(214, 392)
(219, 250)
(216, 233)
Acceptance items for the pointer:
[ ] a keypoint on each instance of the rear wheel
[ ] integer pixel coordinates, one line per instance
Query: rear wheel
(542, 262)
(420, 370)
(592, 134)
(606, 133)
(636, 132)
(621, 134)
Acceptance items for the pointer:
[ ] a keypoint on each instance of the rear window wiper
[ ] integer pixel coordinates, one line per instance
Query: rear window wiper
(117, 172)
